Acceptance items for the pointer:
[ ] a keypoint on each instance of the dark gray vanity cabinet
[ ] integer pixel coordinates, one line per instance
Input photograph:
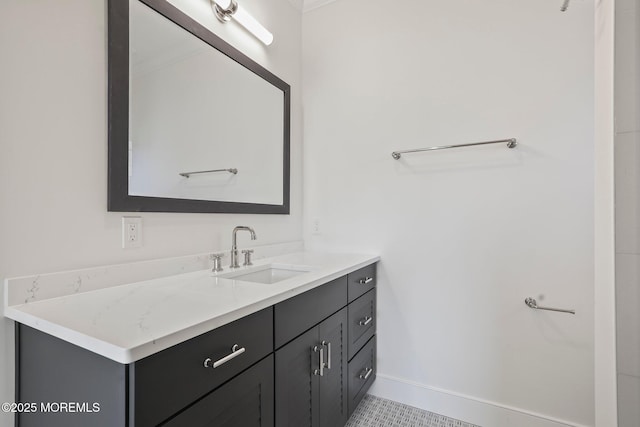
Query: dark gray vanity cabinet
(361, 281)
(245, 401)
(361, 370)
(362, 321)
(304, 362)
(362, 373)
(169, 381)
(304, 311)
(311, 386)
(174, 385)
(325, 362)
(50, 370)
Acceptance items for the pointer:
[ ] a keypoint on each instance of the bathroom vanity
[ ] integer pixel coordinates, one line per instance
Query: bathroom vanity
(285, 349)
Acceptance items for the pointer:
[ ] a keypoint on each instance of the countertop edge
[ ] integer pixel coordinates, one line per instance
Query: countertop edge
(131, 355)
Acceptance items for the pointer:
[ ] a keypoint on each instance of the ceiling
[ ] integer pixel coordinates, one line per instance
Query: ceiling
(307, 5)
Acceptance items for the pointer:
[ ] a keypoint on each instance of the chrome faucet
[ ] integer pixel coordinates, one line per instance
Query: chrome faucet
(234, 244)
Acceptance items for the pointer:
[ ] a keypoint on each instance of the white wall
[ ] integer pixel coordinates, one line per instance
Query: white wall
(627, 202)
(53, 140)
(464, 235)
(604, 266)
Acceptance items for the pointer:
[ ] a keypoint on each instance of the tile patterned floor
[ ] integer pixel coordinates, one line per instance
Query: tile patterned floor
(377, 412)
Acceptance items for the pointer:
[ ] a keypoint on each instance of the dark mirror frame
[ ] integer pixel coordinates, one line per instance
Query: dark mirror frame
(119, 199)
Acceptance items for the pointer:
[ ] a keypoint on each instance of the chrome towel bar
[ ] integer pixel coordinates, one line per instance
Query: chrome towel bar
(533, 304)
(230, 170)
(511, 143)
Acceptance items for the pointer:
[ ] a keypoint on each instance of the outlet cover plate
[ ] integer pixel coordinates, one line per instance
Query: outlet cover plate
(131, 232)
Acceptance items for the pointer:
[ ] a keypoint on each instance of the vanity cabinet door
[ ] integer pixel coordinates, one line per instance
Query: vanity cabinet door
(296, 382)
(306, 395)
(245, 401)
(333, 384)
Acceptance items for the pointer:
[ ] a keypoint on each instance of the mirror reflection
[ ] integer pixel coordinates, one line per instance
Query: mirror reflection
(201, 126)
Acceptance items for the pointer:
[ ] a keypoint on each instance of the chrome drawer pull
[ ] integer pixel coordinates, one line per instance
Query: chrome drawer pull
(328, 345)
(320, 371)
(366, 280)
(365, 321)
(235, 352)
(367, 374)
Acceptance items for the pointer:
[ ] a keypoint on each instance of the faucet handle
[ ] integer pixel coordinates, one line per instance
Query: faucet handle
(217, 262)
(247, 257)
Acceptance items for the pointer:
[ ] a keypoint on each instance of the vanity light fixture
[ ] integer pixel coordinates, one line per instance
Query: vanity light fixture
(225, 9)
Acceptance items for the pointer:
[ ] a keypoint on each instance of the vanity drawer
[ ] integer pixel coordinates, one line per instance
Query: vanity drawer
(166, 382)
(362, 372)
(297, 314)
(246, 400)
(362, 321)
(361, 281)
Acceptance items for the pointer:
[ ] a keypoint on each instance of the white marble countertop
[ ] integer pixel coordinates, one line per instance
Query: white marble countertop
(128, 322)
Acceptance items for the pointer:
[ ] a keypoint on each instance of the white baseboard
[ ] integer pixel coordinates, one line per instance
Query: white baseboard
(465, 408)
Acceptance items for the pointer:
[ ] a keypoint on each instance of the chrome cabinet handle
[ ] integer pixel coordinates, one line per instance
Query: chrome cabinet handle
(235, 352)
(366, 280)
(365, 321)
(328, 345)
(367, 373)
(320, 371)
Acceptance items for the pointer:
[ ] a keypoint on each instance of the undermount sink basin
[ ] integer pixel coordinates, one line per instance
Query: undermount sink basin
(267, 274)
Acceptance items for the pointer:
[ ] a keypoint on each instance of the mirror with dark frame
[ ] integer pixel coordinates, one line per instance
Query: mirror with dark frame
(194, 124)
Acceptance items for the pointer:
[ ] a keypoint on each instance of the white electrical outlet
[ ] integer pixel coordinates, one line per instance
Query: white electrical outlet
(131, 232)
